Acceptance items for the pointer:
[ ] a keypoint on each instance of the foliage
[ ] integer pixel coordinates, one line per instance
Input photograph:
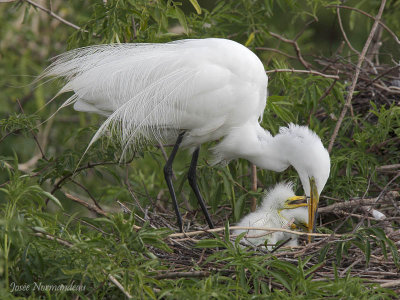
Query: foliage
(48, 238)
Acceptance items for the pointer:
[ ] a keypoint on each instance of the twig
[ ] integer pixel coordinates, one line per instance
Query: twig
(175, 275)
(345, 205)
(386, 186)
(134, 28)
(388, 168)
(356, 74)
(323, 96)
(88, 192)
(312, 72)
(53, 238)
(383, 74)
(128, 184)
(391, 283)
(372, 17)
(344, 33)
(51, 13)
(118, 285)
(89, 206)
(186, 234)
(277, 51)
(88, 166)
(33, 134)
(295, 46)
(93, 208)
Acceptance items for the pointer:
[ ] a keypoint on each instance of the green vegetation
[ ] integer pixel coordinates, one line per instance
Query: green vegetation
(49, 237)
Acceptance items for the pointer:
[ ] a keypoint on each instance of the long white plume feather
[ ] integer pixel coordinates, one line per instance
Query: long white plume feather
(141, 88)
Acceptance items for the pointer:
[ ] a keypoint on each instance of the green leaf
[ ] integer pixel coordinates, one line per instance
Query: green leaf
(250, 39)
(53, 199)
(182, 19)
(280, 278)
(196, 6)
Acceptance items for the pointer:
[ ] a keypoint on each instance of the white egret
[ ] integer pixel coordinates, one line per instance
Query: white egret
(278, 207)
(189, 92)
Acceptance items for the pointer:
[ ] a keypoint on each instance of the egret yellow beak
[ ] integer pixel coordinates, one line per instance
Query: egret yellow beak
(312, 207)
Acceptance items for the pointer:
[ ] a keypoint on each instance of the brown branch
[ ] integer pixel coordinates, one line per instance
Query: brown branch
(277, 51)
(349, 44)
(312, 72)
(323, 96)
(89, 206)
(219, 229)
(33, 134)
(391, 283)
(88, 166)
(383, 74)
(87, 192)
(174, 275)
(372, 17)
(356, 74)
(349, 204)
(344, 33)
(92, 207)
(386, 168)
(118, 285)
(52, 238)
(295, 46)
(51, 13)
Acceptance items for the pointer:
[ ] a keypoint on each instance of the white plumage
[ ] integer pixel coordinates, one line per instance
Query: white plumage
(207, 88)
(273, 214)
(146, 90)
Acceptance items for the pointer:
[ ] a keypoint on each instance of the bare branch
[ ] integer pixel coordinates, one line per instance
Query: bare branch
(295, 46)
(356, 74)
(277, 51)
(191, 233)
(372, 17)
(344, 33)
(119, 285)
(312, 72)
(49, 12)
(89, 206)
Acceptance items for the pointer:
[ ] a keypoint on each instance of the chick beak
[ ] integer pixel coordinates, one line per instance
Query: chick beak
(295, 202)
(312, 207)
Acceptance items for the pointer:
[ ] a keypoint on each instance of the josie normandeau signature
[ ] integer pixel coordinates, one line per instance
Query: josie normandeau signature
(39, 286)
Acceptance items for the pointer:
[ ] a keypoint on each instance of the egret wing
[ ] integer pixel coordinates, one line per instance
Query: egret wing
(143, 89)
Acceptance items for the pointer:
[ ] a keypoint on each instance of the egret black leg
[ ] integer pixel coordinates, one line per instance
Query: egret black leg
(193, 183)
(168, 178)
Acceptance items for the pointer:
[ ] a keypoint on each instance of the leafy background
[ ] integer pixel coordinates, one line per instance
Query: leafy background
(38, 185)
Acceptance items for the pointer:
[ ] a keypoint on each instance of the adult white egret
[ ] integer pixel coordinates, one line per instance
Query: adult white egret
(191, 92)
(278, 207)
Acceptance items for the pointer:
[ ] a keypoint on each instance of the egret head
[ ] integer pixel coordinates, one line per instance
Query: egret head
(306, 153)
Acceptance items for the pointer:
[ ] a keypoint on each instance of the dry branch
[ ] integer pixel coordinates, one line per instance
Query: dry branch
(295, 46)
(356, 75)
(372, 17)
(312, 72)
(89, 206)
(54, 15)
(206, 231)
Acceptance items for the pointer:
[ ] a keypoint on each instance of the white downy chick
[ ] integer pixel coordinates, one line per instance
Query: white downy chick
(274, 212)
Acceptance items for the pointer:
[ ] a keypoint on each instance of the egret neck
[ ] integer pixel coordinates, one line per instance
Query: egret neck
(293, 145)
